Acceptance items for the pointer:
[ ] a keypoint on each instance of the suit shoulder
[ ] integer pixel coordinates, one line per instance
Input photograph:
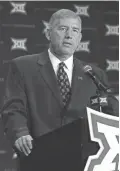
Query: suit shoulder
(79, 62)
(96, 69)
(93, 66)
(25, 58)
(25, 63)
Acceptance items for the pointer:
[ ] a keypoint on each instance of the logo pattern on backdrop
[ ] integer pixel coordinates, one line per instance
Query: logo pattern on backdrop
(84, 46)
(19, 44)
(112, 65)
(82, 10)
(21, 35)
(112, 30)
(18, 8)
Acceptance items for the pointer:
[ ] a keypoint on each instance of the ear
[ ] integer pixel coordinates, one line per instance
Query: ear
(47, 34)
(80, 37)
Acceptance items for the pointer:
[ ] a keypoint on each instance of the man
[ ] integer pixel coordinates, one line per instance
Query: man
(50, 89)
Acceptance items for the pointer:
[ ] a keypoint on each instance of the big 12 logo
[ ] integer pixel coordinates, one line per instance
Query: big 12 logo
(104, 129)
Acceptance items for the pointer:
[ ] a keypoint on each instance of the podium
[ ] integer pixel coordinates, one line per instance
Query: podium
(59, 150)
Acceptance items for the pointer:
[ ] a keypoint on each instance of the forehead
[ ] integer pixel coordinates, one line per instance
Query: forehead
(67, 21)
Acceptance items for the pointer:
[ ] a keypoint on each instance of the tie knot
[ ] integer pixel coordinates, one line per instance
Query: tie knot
(62, 64)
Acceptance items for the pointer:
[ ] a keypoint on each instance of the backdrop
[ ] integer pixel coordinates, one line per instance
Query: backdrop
(22, 28)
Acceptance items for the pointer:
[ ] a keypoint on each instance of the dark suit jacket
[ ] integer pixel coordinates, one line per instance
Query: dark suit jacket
(32, 99)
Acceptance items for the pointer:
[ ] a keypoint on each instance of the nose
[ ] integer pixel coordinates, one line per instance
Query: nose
(68, 34)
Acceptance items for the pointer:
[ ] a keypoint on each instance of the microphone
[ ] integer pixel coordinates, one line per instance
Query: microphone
(89, 71)
(102, 100)
(99, 103)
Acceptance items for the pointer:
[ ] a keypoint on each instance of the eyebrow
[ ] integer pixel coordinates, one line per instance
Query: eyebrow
(76, 28)
(62, 26)
(67, 26)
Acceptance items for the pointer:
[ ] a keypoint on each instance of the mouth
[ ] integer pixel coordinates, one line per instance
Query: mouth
(67, 43)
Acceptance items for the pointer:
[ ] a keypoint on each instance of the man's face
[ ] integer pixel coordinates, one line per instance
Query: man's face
(65, 36)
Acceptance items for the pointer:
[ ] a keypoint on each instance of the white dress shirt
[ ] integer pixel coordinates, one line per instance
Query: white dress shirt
(69, 65)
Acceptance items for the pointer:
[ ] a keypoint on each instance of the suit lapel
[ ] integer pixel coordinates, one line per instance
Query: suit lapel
(79, 84)
(48, 74)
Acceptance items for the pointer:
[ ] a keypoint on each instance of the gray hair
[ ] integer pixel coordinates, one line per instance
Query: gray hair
(63, 13)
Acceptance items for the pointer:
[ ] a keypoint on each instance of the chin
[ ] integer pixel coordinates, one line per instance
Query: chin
(68, 52)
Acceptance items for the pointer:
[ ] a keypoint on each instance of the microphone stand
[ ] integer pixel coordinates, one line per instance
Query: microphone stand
(98, 93)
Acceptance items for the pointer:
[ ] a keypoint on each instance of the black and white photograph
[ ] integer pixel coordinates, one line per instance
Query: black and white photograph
(59, 85)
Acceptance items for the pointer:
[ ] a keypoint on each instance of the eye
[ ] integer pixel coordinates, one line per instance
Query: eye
(75, 30)
(63, 28)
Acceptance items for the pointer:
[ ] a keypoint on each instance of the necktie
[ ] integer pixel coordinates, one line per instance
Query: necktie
(63, 83)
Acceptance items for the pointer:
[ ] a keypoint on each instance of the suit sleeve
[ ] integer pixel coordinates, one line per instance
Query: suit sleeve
(113, 104)
(14, 111)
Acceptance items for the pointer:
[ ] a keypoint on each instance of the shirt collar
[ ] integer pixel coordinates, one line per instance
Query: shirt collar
(55, 61)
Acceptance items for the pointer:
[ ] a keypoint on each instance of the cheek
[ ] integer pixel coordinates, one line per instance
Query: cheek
(56, 38)
(77, 40)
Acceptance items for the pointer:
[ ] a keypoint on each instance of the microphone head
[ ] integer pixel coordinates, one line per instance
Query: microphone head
(87, 68)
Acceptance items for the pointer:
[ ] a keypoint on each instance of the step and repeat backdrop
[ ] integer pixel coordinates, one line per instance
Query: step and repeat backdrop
(22, 31)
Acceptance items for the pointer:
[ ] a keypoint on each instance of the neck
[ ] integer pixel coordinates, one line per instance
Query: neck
(60, 57)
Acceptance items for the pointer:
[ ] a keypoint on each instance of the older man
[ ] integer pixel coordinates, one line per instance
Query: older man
(48, 90)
